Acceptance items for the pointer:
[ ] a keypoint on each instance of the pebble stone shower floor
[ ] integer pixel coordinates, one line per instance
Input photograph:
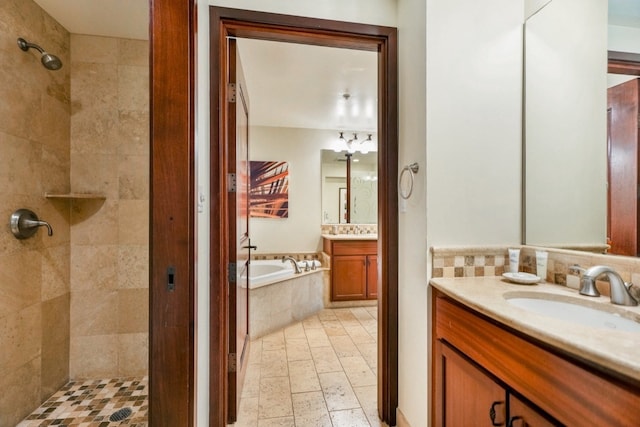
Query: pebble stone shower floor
(93, 403)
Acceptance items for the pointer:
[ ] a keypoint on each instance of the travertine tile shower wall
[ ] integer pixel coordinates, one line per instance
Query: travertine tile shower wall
(109, 238)
(34, 158)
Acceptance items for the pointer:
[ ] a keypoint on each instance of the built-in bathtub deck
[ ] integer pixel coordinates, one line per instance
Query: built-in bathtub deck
(277, 305)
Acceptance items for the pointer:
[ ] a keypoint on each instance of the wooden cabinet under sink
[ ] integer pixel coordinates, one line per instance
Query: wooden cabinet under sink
(485, 373)
(354, 269)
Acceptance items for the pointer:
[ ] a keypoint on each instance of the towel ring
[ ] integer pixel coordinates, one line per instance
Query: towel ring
(412, 169)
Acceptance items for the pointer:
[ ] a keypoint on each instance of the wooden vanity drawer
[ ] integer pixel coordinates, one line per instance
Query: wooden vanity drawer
(354, 247)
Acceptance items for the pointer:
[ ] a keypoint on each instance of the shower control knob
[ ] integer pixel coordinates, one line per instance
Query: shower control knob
(24, 224)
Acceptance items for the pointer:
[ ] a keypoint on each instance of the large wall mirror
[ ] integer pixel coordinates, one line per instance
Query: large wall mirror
(349, 187)
(567, 122)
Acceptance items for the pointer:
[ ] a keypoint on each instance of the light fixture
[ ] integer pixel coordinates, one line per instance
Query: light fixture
(354, 144)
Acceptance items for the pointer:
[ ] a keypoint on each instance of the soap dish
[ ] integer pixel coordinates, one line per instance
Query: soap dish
(522, 278)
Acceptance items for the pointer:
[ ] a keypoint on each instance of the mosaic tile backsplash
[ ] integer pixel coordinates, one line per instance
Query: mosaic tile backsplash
(477, 261)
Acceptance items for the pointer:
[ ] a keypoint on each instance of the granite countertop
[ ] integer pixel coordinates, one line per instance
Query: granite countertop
(613, 350)
(350, 236)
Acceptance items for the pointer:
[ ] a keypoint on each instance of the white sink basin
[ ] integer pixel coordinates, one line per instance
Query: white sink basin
(573, 310)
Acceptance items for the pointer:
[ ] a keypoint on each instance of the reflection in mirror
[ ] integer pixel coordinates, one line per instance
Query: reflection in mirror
(361, 207)
(565, 138)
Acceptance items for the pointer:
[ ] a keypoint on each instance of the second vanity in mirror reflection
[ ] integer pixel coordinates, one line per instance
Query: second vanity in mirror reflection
(349, 187)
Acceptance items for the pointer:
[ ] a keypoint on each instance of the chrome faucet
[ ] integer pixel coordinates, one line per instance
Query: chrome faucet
(619, 289)
(296, 267)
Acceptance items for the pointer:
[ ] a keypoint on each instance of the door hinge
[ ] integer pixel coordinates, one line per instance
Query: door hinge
(232, 362)
(231, 183)
(233, 272)
(231, 91)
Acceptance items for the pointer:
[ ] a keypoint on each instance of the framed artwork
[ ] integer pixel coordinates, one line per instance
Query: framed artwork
(269, 189)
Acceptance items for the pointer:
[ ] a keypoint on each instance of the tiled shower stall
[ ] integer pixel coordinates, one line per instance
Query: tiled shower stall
(73, 306)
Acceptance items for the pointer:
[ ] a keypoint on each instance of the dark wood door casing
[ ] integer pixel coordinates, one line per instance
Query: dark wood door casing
(171, 204)
(225, 22)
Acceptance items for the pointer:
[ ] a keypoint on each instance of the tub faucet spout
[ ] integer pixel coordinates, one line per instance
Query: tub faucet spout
(296, 267)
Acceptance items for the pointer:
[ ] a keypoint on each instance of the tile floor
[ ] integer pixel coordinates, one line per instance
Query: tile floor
(92, 403)
(318, 372)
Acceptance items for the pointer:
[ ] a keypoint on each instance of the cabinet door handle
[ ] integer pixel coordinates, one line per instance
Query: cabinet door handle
(514, 419)
(492, 414)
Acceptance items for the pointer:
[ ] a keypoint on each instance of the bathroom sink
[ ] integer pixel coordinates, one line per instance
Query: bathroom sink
(573, 310)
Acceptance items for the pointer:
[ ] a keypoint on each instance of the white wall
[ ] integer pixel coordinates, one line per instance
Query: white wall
(413, 313)
(301, 148)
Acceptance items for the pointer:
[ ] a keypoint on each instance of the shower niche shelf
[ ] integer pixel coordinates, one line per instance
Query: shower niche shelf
(75, 196)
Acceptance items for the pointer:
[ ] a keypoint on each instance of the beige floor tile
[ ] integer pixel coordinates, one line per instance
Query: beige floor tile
(344, 346)
(317, 337)
(255, 352)
(361, 313)
(303, 376)
(298, 349)
(345, 314)
(314, 420)
(251, 386)
(359, 334)
(294, 331)
(273, 341)
(311, 403)
(275, 398)
(248, 412)
(368, 398)
(337, 391)
(315, 373)
(350, 417)
(369, 352)
(358, 371)
(312, 322)
(277, 422)
(325, 359)
(327, 314)
(274, 363)
(333, 327)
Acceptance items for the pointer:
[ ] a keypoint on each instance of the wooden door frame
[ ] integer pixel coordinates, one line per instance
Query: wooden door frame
(171, 218)
(242, 23)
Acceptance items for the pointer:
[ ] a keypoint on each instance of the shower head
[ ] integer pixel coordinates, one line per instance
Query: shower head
(50, 62)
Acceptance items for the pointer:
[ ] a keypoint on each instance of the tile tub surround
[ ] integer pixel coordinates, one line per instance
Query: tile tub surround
(612, 350)
(92, 402)
(280, 304)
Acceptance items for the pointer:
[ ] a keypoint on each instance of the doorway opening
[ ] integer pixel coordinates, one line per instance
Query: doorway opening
(233, 23)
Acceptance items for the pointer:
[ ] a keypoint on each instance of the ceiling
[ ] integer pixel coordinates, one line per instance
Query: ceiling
(290, 85)
(114, 18)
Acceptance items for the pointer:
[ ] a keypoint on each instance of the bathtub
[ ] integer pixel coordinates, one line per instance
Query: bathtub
(278, 297)
(266, 272)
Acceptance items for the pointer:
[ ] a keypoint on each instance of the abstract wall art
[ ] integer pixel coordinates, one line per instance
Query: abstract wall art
(269, 189)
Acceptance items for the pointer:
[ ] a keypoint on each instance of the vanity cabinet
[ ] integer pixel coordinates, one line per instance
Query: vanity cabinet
(354, 269)
(479, 365)
(472, 397)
